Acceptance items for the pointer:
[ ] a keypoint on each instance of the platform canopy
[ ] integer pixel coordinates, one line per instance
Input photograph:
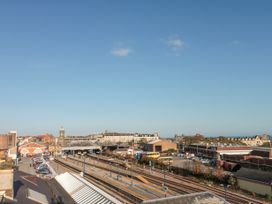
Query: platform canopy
(81, 148)
(83, 191)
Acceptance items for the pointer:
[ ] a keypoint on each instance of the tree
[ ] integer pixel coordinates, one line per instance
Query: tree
(142, 142)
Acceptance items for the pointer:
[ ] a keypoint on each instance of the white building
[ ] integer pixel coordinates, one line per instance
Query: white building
(114, 137)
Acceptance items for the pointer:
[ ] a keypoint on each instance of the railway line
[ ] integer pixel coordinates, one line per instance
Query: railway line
(184, 185)
(180, 184)
(119, 193)
(154, 180)
(231, 196)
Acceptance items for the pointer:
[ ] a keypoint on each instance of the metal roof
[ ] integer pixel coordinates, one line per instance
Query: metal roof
(82, 191)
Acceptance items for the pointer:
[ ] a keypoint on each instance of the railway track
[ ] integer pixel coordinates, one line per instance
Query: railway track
(184, 185)
(155, 180)
(176, 185)
(231, 196)
(126, 195)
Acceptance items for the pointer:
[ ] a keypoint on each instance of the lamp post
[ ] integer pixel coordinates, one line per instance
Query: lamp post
(164, 187)
(17, 155)
(84, 158)
(164, 177)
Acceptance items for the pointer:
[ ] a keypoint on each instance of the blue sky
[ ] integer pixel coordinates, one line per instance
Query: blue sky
(138, 66)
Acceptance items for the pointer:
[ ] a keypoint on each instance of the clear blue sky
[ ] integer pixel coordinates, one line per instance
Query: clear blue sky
(139, 66)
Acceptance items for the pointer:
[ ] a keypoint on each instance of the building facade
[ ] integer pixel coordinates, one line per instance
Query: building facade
(217, 151)
(31, 149)
(257, 140)
(62, 136)
(8, 140)
(112, 138)
(160, 146)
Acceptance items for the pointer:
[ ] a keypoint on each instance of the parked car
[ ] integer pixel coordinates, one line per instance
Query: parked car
(37, 163)
(180, 155)
(46, 158)
(205, 161)
(43, 171)
(43, 165)
(37, 160)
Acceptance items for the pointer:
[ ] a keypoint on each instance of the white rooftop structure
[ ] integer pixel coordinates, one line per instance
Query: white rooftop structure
(81, 148)
(83, 191)
(234, 152)
(36, 196)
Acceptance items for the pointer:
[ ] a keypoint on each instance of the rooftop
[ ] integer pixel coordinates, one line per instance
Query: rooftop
(81, 147)
(82, 191)
(255, 175)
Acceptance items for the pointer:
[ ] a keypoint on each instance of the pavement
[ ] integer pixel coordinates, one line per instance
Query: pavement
(24, 166)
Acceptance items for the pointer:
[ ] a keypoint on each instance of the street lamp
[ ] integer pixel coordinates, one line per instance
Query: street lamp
(84, 158)
(164, 187)
(164, 177)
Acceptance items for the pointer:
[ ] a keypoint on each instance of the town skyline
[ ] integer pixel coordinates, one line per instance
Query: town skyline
(56, 134)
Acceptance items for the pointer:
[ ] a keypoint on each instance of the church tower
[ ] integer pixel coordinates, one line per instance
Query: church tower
(61, 136)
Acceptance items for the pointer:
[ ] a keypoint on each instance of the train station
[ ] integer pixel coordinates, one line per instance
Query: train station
(80, 149)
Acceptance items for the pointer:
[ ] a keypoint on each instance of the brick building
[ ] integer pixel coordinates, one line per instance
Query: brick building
(7, 141)
(160, 146)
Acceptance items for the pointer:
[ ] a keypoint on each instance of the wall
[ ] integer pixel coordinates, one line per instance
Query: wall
(4, 142)
(165, 145)
(259, 188)
(7, 183)
(7, 140)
